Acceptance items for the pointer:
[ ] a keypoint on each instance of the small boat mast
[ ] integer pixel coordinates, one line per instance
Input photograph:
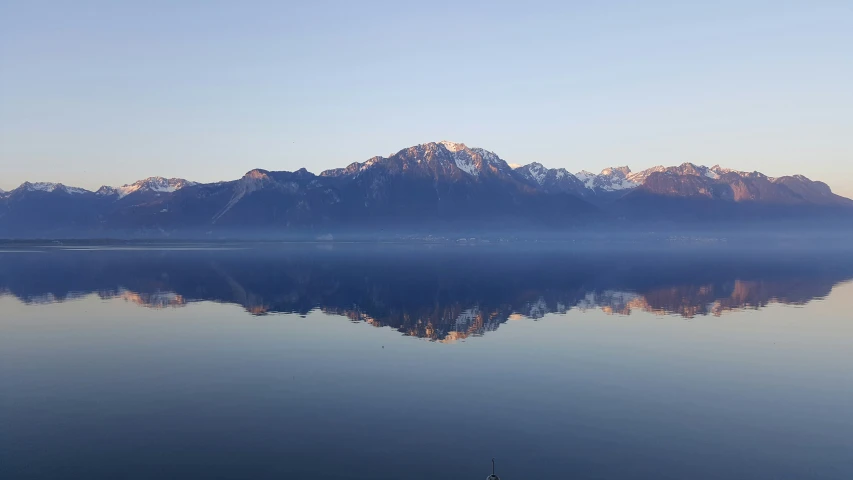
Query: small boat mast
(493, 476)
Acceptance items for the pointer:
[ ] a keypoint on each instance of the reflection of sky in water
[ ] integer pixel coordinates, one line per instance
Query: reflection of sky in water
(100, 388)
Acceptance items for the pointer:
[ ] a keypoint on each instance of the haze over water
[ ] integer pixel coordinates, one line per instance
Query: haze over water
(387, 362)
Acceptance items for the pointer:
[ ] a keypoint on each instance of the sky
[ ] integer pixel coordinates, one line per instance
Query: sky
(106, 93)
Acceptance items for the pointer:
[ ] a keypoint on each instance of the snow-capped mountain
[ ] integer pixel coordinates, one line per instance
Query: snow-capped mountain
(437, 159)
(609, 180)
(50, 187)
(476, 160)
(616, 179)
(106, 191)
(551, 180)
(535, 172)
(153, 184)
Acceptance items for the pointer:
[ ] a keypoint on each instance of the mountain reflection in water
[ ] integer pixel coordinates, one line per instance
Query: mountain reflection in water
(442, 294)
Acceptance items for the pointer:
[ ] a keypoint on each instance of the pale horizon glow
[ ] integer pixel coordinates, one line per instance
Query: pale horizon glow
(106, 93)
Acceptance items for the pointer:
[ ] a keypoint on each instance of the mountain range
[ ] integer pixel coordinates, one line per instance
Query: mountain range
(438, 185)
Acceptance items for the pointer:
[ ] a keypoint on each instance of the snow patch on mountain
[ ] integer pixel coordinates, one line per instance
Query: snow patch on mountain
(588, 178)
(640, 177)
(488, 157)
(364, 166)
(40, 186)
(465, 164)
(452, 146)
(465, 158)
(622, 178)
(106, 191)
(51, 187)
(537, 172)
(75, 190)
(616, 172)
(154, 184)
(620, 184)
(722, 171)
(609, 180)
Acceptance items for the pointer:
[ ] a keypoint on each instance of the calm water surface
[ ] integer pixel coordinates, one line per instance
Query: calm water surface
(393, 362)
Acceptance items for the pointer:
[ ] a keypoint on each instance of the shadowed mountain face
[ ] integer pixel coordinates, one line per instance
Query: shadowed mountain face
(441, 293)
(439, 186)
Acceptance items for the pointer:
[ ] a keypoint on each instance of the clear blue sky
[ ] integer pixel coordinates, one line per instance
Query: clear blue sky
(109, 92)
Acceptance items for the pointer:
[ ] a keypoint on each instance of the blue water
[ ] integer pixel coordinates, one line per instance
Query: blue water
(354, 362)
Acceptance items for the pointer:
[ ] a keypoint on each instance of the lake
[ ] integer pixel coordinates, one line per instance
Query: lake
(332, 361)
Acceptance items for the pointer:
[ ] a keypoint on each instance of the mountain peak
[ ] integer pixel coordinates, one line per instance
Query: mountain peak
(440, 158)
(106, 190)
(534, 171)
(433, 158)
(552, 180)
(256, 174)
